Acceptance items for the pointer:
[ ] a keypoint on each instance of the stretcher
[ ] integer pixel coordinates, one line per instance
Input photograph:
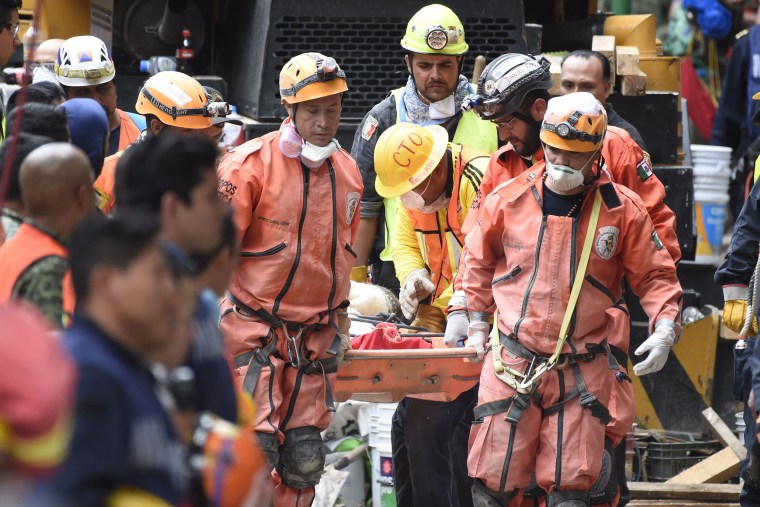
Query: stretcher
(385, 376)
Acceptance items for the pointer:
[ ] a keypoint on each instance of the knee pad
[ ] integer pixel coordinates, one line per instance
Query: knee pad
(484, 497)
(567, 499)
(605, 488)
(269, 448)
(302, 457)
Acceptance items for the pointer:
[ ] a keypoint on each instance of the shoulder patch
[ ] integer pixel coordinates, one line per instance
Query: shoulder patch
(606, 242)
(609, 196)
(656, 240)
(644, 168)
(742, 33)
(369, 127)
(352, 202)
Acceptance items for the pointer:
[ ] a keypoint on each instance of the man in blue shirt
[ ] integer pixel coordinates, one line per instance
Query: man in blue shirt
(124, 447)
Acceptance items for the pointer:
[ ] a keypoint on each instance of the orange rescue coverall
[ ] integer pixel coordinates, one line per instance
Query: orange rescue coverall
(523, 262)
(297, 227)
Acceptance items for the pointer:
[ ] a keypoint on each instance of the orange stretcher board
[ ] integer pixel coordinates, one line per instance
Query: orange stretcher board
(385, 376)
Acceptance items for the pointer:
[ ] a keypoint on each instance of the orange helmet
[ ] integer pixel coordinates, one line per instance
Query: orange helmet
(405, 155)
(574, 122)
(231, 461)
(311, 76)
(178, 100)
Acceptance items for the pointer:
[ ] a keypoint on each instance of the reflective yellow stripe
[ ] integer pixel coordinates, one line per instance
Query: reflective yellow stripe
(126, 496)
(47, 450)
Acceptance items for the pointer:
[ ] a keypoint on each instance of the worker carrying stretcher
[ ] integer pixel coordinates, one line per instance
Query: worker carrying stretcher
(295, 193)
(549, 252)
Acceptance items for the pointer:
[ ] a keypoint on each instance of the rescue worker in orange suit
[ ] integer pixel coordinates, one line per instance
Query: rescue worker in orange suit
(436, 182)
(195, 113)
(85, 70)
(557, 240)
(435, 47)
(516, 111)
(56, 188)
(295, 194)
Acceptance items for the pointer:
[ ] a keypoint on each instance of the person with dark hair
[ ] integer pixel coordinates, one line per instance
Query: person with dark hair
(88, 125)
(56, 188)
(159, 96)
(43, 92)
(40, 119)
(584, 70)
(216, 266)
(9, 29)
(12, 154)
(124, 449)
(173, 177)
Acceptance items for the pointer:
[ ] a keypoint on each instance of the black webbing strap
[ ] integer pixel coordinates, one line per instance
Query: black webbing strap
(514, 407)
(256, 360)
(585, 398)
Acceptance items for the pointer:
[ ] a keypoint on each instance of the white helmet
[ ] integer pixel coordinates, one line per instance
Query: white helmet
(84, 61)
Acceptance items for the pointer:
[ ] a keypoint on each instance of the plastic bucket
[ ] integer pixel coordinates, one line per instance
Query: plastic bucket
(383, 487)
(710, 210)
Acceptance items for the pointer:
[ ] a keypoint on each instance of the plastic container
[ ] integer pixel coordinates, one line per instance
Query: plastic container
(158, 64)
(383, 487)
(710, 211)
(740, 426)
(667, 459)
(380, 422)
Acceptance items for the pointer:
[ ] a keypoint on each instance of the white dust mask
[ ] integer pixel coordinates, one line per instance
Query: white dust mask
(314, 156)
(564, 177)
(443, 109)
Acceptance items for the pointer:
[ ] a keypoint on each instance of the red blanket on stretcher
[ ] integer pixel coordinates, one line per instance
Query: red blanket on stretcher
(386, 336)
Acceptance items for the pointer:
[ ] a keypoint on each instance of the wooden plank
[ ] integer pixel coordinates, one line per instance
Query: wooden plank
(633, 85)
(723, 432)
(605, 44)
(715, 469)
(699, 492)
(626, 60)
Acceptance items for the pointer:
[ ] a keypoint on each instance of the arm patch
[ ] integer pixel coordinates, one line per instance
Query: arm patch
(609, 196)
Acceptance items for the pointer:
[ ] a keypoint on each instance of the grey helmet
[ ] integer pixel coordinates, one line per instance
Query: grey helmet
(504, 83)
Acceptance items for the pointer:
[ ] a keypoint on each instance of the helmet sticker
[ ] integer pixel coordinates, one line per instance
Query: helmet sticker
(178, 96)
(489, 87)
(516, 74)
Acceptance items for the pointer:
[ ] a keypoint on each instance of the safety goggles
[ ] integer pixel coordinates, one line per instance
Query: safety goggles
(327, 70)
(210, 110)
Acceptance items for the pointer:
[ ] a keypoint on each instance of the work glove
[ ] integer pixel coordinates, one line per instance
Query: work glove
(734, 314)
(658, 345)
(456, 329)
(417, 287)
(344, 324)
(477, 337)
(431, 318)
(359, 274)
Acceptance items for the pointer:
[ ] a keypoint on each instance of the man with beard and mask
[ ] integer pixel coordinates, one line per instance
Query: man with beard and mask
(549, 252)
(295, 194)
(435, 50)
(436, 182)
(516, 100)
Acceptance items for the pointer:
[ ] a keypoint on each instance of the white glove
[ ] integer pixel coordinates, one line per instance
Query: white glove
(658, 345)
(456, 329)
(477, 336)
(417, 287)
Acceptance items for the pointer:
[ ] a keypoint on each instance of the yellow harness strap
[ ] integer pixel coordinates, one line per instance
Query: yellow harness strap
(508, 375)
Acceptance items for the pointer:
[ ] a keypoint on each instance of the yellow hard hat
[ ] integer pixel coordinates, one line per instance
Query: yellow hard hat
(435, 30)
(574, 122)
(405, 155)
(178, 100)
(311, 76)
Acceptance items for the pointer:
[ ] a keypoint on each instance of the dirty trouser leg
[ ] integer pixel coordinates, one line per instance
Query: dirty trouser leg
(303, 405)
(572, 439)
(429, 437)
(623, 411)
(401, 477)
(502, 454)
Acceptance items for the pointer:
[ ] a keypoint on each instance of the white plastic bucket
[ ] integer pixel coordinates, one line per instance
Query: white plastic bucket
(383, 487)
(710, 211)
